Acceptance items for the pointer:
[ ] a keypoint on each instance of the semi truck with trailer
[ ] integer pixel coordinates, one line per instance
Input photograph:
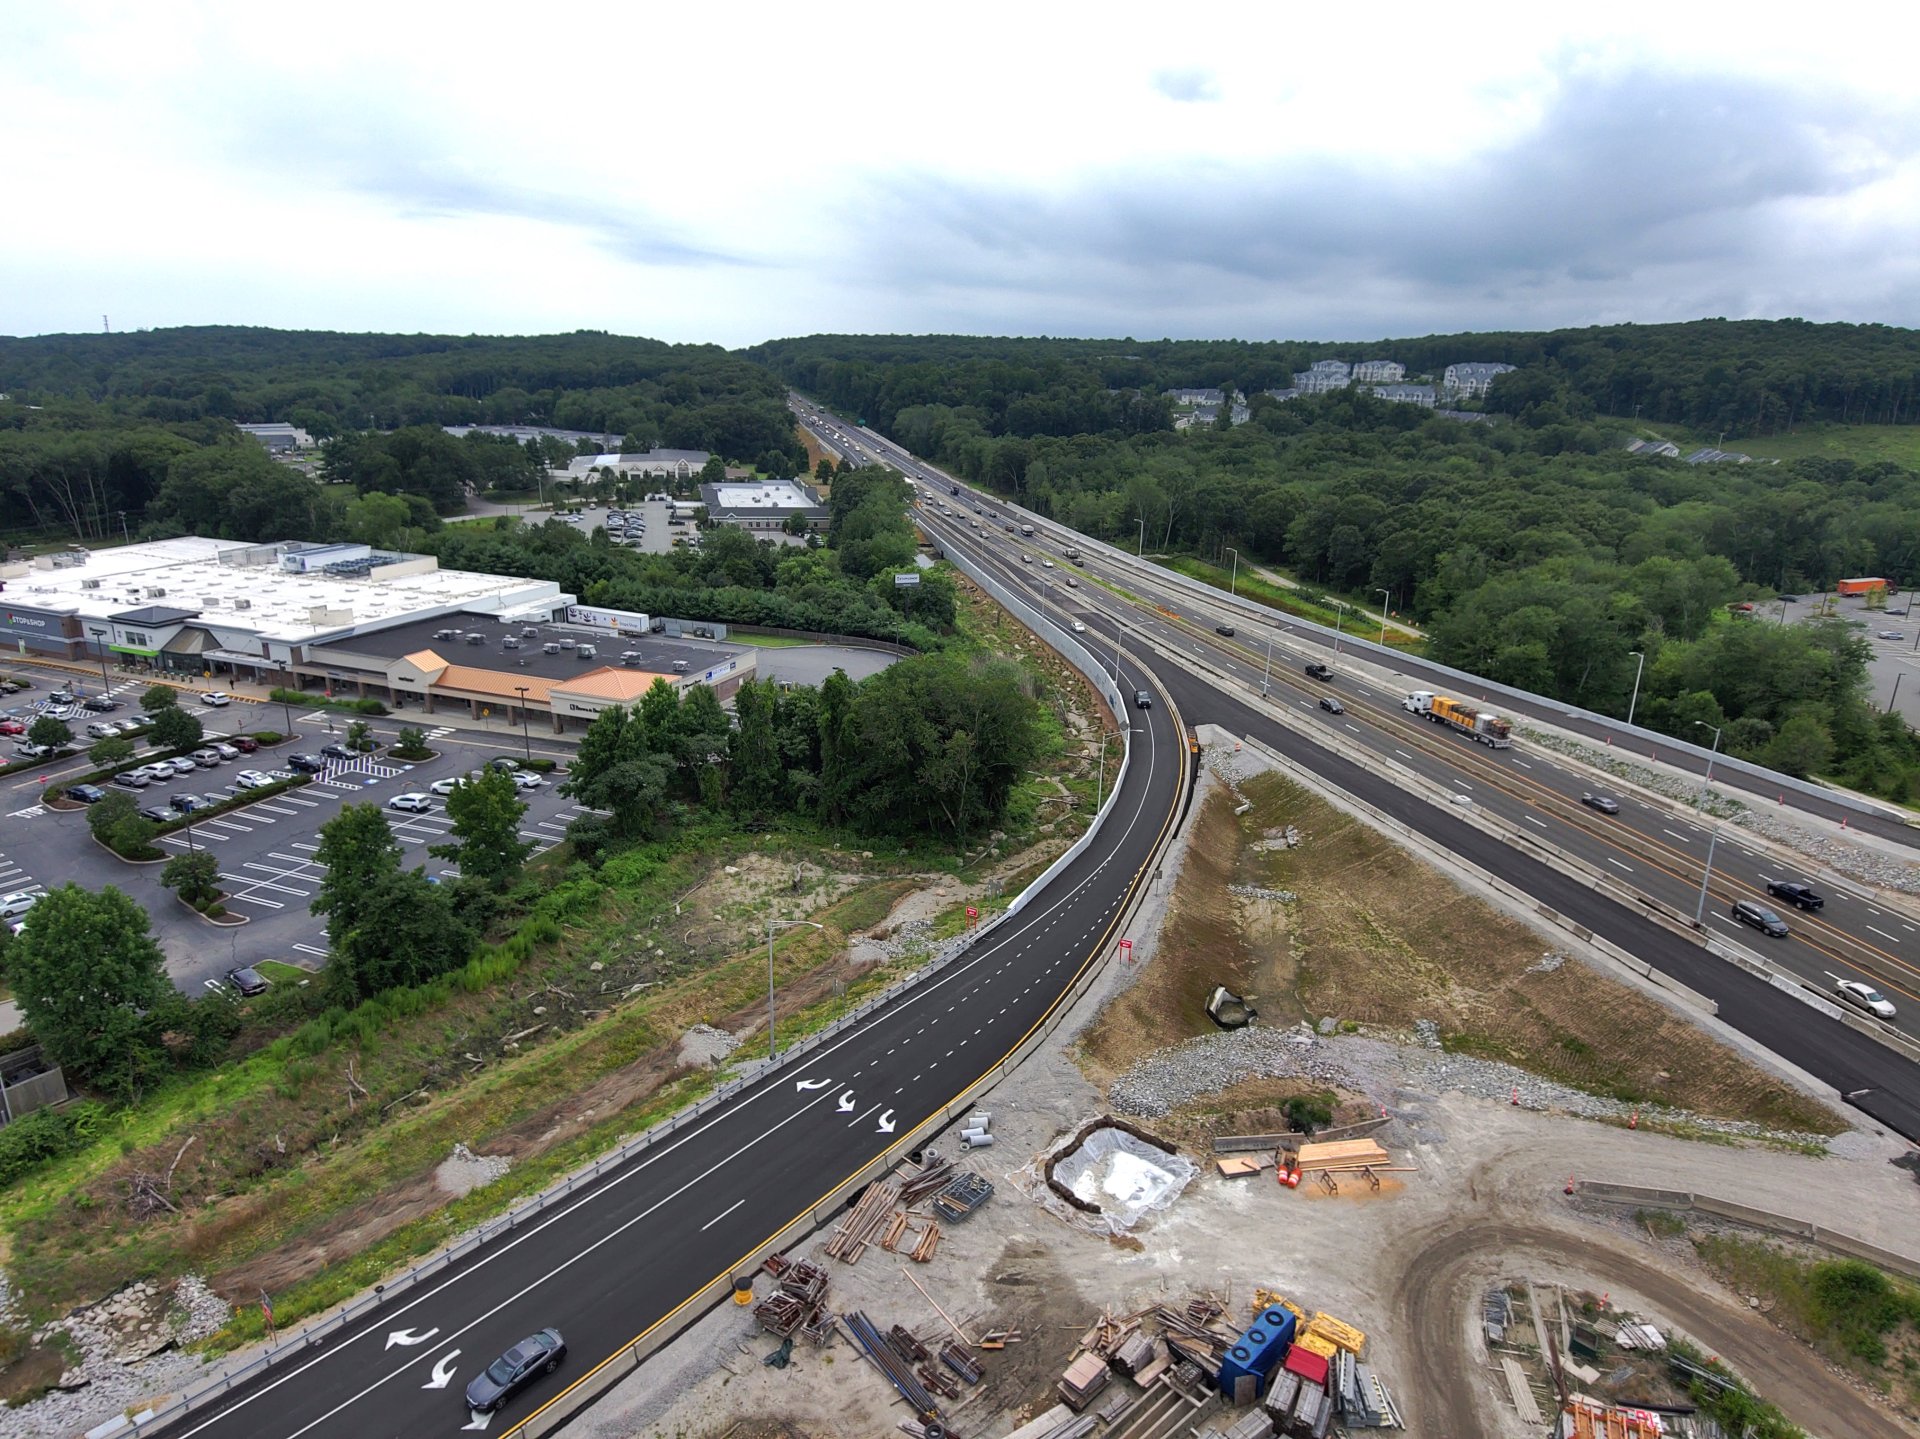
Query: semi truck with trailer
(1481, 725)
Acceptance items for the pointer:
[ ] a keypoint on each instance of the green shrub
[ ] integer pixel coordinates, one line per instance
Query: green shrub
(45, 1135)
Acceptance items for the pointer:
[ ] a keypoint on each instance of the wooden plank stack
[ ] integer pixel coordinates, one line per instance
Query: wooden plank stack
(1343, 1156)
(864, 1221)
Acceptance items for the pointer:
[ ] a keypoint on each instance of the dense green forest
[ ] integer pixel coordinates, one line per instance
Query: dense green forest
(93, 425)
(1533, 549)
(1737, 377)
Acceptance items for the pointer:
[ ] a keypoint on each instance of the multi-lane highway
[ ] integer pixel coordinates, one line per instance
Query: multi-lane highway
(1653, 848)
(621, 1256)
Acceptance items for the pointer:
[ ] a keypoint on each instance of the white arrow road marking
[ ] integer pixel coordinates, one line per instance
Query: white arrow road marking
(443, 1371)
(886, 1123)
(846, 1102)
(480, 1421)
(407, 1336)
(811, 1083)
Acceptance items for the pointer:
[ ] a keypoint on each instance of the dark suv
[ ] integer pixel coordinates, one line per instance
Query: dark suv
(306, 763)
(1751, 911)
(1142, 700)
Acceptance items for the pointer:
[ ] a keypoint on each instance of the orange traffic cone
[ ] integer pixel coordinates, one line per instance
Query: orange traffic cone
(1569, 1184)
(1633, 1120)
(1516, 1096)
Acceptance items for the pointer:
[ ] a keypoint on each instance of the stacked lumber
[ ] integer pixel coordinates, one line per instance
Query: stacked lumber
(1084, 1379)
(863, 1221)
(929, 1241)
(1343, 1156)
(930, 1177)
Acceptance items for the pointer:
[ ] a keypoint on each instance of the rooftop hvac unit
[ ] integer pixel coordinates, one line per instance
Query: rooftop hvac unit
(243, 604)
(89, 584)
(156, 593)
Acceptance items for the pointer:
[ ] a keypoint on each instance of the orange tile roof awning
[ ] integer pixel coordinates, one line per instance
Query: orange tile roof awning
(607, 683)
(493, 682)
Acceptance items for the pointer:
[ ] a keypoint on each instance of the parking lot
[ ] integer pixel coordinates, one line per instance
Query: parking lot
(266, 849)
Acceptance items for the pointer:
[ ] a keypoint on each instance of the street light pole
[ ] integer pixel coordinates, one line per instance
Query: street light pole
(1638, 669)
(1141, 548)
(1896, 691)
(525, 737)
(1385, 596)
(1267, 673)
(1119, 628)
(773, 924)
(1100, 786)
(1702, 797)
(100, 643)
(1339, 620)
(1700, 909)
(1233, 581)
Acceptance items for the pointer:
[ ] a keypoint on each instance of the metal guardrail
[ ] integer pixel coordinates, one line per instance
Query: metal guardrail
(598, 1168)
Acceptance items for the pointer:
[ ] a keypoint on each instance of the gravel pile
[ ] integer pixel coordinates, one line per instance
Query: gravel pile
(1379, 1069)
(102, 1384)
(1250, 891)
(1868, 866)
(704, 1044)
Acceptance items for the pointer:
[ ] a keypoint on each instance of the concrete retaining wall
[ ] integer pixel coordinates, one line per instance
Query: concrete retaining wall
(1905, 1265)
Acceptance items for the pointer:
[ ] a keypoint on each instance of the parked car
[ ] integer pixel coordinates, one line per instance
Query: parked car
(1331, 705)
(12, 726)
(218, 699)
(182, 765)
(250, 779)
(28, 750)
(503, 762)
(245, 743)
(60, 697)
(159, 772)
(206, 758)
(86, 793)
(1800, 896)
(188, 803)
(338, 751)
(526, 779)
(1320, 672)
(100, 704)
(533, 1356)
(306, 763)
(415, 803)
(225, 751)
(248, 980)
(101, 729)
(446, 786)
(1605, 803)
(1891, 634)
(13, 905)
(158, 813)
(1866, 997)
(1751, 911)
(131, 779)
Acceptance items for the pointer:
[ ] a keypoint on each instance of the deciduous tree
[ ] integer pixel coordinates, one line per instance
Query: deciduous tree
(486, 816)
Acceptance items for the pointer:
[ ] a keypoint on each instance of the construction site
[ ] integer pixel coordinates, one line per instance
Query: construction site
(1135, 1237)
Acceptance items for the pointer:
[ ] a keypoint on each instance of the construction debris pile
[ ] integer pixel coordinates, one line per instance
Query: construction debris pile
(1294, 1157)
(886, 1210)
(1161, 1372)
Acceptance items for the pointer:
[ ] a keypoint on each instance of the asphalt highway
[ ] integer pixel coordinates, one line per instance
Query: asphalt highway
(609, 1264)
(1872, 1077)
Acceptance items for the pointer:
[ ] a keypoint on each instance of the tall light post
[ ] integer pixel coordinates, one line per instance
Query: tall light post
(1233, 581)
(1141, 548)
(1100, 787)
(1119, 628)
(1702, 798)
(1700, 909)
(1637, 671)
(772, 925)
(100, 644)
(1339, 621)
(1266, 673)
(1896, 691)
(1385, 596)
(525, 736)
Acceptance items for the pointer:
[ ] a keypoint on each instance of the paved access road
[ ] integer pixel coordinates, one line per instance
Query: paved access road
(609, 1263)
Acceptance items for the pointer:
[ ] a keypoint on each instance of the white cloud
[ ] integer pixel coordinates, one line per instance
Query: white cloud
(730, 176)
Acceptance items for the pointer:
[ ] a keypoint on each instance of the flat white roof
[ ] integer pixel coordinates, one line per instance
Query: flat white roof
(279, 606)
(762, 495)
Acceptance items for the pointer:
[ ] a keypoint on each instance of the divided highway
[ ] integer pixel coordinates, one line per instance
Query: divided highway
(621, 1257)
(1530, 789)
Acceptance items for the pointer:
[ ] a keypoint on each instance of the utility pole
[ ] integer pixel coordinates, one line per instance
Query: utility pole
(1636, 682)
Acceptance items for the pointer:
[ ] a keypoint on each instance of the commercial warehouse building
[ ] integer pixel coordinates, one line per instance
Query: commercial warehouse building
(395, 627)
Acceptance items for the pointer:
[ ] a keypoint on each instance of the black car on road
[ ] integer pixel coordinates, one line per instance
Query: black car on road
(1331, 705)
(533, 1356)
(1751, 911)
(1800, 896)
(1226, 630)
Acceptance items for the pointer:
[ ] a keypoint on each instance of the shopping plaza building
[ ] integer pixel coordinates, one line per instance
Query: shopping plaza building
(347, 618)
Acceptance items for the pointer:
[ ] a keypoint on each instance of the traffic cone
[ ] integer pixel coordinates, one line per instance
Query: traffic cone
(1516, 1096)
(1843, 821)
(1569, 1184)
(1783, 799)
(1633, 1120)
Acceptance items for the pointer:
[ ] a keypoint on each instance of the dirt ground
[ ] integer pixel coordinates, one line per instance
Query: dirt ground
(1407, 1265)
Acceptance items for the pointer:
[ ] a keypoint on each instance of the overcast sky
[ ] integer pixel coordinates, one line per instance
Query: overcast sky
(735, 173)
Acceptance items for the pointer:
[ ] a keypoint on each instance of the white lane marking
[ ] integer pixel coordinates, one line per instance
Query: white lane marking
(1531, 820)
(721, 1215)
(1681, 837)
(1617, 865)
(1523, 764)
(1884, 935)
